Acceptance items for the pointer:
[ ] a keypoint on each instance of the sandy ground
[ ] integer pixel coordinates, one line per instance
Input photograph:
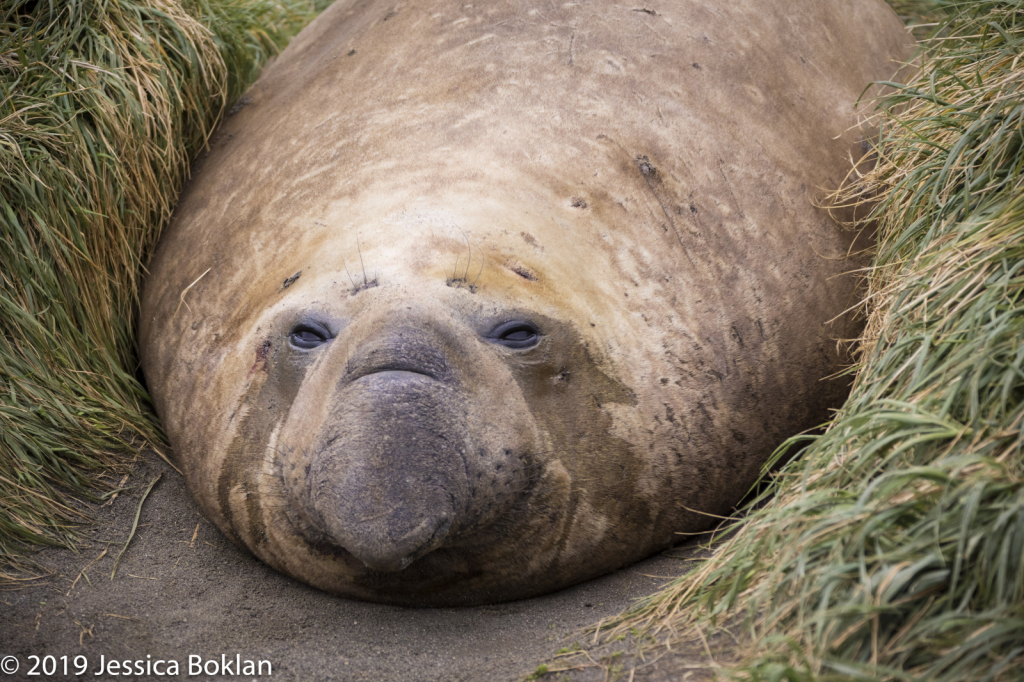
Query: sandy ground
(183, 593)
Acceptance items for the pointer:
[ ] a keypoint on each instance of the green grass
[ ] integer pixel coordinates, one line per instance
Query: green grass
(893, 549)
(923, 16)
(102, 106)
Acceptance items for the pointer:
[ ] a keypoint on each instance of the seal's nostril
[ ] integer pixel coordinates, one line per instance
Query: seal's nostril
(402, 349)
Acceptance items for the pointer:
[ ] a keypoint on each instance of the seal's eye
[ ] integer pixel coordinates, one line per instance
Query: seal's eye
(516, 334)
(309, 335)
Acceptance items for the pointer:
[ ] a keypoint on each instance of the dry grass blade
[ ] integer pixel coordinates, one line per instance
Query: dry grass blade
(135, 525)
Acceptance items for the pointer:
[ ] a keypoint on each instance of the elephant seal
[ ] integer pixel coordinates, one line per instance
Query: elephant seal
(471, 302)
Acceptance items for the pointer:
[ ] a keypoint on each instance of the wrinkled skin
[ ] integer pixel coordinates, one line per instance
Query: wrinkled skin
(473, 302)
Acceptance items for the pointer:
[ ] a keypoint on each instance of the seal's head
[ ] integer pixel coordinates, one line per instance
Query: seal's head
(427, 416)
(469, 304)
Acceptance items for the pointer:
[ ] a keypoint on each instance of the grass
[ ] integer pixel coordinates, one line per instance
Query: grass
(893, 549)
(923, 16)
(102, 106)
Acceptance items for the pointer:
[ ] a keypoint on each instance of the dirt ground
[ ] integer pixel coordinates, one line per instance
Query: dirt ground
(184, 595)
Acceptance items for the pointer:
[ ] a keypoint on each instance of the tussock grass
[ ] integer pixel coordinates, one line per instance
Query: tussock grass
(893, 549)
(102, 106)
(923, 16)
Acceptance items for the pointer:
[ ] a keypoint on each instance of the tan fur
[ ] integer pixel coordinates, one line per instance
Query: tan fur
(639, 177)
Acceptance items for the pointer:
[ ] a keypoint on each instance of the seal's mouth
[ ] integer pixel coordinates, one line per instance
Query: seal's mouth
(400, 555)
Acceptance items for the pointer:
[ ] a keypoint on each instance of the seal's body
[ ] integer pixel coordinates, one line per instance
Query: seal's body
(472, 302)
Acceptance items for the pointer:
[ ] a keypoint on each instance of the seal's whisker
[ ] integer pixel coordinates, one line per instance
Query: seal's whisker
(355, 287)
(469, 258)
(483, 261)
(359, 247)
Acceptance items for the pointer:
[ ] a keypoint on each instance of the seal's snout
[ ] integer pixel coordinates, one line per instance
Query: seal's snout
(388, 483)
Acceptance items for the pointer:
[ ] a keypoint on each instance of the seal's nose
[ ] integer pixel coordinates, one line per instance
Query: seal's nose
(390, 480)
(401, 348)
